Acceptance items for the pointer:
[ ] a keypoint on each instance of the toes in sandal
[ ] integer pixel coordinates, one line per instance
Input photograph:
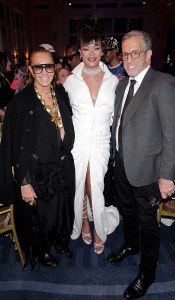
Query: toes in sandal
(98, 248)
(87, 238)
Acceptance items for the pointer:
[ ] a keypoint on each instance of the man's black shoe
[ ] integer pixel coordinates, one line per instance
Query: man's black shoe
(119, 254)
(139, 286)
(48, 260)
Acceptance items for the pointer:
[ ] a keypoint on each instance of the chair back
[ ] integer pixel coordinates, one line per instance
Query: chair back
(166, 209)
(7, 224)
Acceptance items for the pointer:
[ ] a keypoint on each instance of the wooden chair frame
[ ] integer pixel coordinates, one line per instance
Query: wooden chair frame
(11, 227)
(164, 212)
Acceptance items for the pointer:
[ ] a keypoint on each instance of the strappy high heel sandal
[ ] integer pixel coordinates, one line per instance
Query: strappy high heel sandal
(98, 247)
(87, 238)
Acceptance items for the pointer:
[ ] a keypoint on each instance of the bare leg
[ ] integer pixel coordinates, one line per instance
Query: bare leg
(98, 244)
(86, 233)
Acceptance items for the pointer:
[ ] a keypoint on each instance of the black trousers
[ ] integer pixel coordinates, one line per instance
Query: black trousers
(110, 194)
(139, 217)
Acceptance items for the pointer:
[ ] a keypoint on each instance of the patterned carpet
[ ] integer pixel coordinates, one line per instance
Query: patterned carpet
(87, 275)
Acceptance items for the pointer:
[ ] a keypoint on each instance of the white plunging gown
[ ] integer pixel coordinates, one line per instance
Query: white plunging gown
(92, 137)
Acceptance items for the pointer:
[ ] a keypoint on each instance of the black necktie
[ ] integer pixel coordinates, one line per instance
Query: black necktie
(128, 100)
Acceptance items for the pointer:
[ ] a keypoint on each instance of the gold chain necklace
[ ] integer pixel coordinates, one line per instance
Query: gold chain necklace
(53, 111)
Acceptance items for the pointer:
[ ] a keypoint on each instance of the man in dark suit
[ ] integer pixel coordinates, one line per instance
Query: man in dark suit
(144, 139)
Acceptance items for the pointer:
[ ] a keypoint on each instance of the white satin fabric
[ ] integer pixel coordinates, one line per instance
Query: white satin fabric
(92, 137)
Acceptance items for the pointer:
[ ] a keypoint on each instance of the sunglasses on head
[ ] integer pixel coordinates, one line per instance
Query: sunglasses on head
(70, 57)
(37, 69)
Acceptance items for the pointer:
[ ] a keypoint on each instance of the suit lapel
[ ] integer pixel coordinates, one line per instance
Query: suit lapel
(138, 97)
(118, 101)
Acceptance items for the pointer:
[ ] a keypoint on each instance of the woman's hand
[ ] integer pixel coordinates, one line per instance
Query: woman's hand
(28, 194)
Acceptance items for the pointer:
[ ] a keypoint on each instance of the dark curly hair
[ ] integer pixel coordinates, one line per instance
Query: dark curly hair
(90, 28)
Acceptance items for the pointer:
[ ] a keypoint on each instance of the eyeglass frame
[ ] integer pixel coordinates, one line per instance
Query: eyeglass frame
(131, 53)
(43, 66)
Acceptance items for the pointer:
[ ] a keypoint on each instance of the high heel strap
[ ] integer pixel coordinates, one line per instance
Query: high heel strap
(85, 216)
(99, 247)
(87, 238)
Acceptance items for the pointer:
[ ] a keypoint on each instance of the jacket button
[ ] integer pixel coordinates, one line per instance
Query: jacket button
(22, 148)
(17, 165)
(31, 112)
(27, 130)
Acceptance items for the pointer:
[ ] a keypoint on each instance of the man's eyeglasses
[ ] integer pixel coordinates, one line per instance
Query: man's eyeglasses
(134, 54)
(70, 57)
(37, 69)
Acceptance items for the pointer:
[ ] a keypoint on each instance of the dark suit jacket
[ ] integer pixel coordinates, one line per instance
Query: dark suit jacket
(148, 131)
(20, 131)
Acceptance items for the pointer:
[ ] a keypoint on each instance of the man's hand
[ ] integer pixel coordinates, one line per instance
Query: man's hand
(167, 188)
(28, 193)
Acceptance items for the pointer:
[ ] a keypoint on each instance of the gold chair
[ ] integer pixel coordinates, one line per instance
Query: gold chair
(166, 209)
(9, 225)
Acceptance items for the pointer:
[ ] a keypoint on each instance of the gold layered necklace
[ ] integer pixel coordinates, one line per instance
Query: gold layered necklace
(52, 110)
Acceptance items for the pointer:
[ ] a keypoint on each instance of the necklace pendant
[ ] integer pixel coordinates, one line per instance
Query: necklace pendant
(48, 109)
(59, 123)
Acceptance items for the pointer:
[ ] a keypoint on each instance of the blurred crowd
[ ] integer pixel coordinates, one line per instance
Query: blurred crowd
(14, 77)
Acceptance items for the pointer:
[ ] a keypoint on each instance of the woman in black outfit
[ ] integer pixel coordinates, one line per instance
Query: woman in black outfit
(6, 93)
(37, 139)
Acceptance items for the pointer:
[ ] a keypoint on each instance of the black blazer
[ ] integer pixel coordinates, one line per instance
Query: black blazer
(20, 132)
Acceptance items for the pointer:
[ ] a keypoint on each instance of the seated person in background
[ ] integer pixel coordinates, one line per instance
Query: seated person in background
(61, 74)
(6, 92)
(18, 78)
(60, 77)
(37, 140)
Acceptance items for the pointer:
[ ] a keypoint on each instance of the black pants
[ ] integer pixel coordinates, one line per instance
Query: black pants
(139, 217)
(110, 194)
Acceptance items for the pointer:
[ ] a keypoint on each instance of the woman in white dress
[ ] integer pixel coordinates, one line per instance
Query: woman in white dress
(91, 89)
